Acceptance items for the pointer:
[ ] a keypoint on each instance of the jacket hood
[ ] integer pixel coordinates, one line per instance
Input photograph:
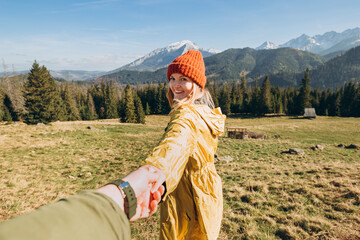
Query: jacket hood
(213, 118)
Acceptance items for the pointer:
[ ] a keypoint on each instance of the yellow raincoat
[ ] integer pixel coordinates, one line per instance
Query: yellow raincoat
(193, 203)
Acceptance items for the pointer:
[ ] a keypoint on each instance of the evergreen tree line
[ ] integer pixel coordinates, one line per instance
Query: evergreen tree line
(237, 98)
(45, 101)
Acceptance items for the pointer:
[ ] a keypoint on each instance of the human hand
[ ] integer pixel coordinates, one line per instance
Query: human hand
(147, 183)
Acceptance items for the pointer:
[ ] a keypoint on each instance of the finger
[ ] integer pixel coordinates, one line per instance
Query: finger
(159, 179)
(161, 189)
(157, 196)
(155, 176)
(153, 206)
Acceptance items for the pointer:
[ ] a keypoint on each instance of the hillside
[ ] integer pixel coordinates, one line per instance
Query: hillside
(332, 74)
(267, 193)
(228, 65)
(337, 71)
(135, 77)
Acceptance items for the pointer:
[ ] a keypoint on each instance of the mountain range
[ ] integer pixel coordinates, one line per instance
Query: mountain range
(285, 67)
(285, 63)
(163, 56)
(228, 66)
(325, 44)
(325, 55)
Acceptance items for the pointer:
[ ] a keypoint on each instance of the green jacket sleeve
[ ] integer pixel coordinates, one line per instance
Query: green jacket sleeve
(175, 148)
(88, 215)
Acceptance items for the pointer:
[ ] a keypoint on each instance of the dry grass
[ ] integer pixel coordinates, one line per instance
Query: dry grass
(267, 194)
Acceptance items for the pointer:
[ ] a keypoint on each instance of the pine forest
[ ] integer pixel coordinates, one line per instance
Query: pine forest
(40, 99)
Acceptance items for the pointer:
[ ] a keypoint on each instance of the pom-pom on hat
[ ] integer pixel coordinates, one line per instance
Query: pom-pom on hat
(190, 64)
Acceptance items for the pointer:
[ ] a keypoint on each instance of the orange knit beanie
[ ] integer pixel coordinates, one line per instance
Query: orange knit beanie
(190, 64)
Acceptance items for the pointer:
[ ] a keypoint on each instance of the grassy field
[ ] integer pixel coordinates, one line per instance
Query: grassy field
(268, 194)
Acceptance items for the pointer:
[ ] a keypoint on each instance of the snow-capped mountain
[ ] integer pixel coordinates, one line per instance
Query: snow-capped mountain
(267, 45)
(323, 44)
(163, 56)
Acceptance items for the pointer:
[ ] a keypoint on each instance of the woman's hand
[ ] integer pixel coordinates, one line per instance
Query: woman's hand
(147, 183)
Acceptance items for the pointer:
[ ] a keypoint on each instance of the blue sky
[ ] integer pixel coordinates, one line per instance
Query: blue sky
(106, 34)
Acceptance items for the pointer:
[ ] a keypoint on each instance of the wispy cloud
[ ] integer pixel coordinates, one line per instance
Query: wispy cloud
(99, 62)
(153, 2)
(94, 3)
(85, 5)
(59, 52)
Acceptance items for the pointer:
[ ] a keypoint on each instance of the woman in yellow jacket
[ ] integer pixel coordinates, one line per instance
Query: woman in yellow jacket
(193, 203)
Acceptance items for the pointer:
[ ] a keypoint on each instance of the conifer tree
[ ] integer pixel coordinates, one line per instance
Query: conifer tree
(98, 99)
(284, 102)
(160, 100)
(1, 106)
(347, 100)
(323, 110)
(236, 98)
(277, 100)
(246, 103)
(42, 99)
(102, 113)
(356, 112)
(150, 96)
(121, 109)
(304, 95)
(147, 109)
(165, 103)
(91, 106)
(129, 107)
(139, 110)
(225, 100)
(70, 109)
(334, 103)
(13, 88)
(4, 111)
(246, 106)
(243, 84)
(10, 113)
(315, 98)
(265, 96)
(84, 109)
(110, 101)
(255, 99)
(214, 92)
(7, 115)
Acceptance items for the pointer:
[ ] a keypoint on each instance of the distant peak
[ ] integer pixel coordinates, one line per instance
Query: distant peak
(267, 45)
(182, 43)
(212, 50)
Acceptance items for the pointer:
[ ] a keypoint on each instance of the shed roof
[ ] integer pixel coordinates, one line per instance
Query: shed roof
(309, 113)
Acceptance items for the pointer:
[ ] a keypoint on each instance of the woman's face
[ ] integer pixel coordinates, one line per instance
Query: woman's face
(180, 85)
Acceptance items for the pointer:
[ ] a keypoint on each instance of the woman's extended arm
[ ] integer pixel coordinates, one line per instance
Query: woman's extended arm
(90, 214)
(173, 151)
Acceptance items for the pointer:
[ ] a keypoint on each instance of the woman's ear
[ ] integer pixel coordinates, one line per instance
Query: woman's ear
(200, 92)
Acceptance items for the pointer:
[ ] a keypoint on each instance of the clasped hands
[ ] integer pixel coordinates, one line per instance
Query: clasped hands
(147, 183)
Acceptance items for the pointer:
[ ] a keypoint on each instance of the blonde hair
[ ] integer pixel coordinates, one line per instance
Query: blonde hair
(197, 95)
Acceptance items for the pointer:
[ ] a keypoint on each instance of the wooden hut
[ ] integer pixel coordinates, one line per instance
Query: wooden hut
(236, 132)
(309, 113)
